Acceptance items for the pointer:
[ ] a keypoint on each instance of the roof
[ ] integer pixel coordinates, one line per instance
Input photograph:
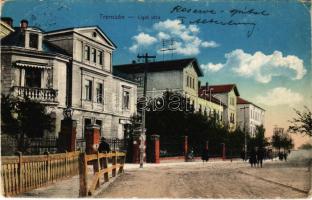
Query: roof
(215, 89)
(51, 48)
(16, 38)
(72, 29)
(244, 101)
(213, 99)
(159, 66)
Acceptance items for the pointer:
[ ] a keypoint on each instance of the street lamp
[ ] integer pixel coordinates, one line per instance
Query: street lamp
(245, 131)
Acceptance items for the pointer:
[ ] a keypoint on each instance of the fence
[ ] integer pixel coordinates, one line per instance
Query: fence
(23, 173)
(10, 144)
(103, 164)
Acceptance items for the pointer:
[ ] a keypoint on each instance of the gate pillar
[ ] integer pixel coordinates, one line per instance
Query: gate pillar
(153, 149)
(92, 138)
(67, 136)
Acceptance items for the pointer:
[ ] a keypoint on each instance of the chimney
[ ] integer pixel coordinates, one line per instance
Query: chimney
(8, 21)
(206, 88)
(24, 24)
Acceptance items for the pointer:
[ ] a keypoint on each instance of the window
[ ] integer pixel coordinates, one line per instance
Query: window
(100, 57)
(232, 101)
(99, 93)
(87, 52)
(33, 40)
(193, 83)
(88, 88)
(125, 99)
(232, 118)
(93, 54)
(187, 81)
(32, 77)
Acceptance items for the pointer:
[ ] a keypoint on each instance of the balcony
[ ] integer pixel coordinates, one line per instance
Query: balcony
(38, 94)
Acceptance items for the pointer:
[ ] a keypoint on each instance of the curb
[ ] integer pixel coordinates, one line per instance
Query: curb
(310, 169)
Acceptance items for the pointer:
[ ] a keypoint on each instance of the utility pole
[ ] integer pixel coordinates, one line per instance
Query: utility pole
(143, 136)
(245, 131)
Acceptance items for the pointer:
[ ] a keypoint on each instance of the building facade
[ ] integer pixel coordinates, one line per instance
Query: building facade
(227, 95)
(249, 116)
(174, 75)
(69, 68)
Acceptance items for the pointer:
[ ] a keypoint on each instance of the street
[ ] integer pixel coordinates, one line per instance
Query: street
(216, 179)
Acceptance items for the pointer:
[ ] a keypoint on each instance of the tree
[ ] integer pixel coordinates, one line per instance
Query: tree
(276, 141)
(24, 118)
(282, 140)
(302, 124)
(260, 140)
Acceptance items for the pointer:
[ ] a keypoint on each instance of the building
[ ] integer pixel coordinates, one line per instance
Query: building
(227, 94)
(175, 75)
(249, 116)
(68, 68)
(6, 26)
(210, 105)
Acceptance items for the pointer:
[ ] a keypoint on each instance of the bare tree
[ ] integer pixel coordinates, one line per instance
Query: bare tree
(302, 123)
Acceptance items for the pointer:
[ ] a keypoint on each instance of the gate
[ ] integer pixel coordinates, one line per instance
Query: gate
(171, 146)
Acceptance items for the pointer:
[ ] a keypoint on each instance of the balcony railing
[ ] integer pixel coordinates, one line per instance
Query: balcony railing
(39, 94)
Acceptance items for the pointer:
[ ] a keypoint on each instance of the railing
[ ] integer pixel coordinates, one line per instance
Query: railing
(23, 173)
(101, 168)
(40, 94)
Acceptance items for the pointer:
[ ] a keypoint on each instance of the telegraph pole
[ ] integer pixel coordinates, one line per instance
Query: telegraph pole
(143, 136)
(245, 131)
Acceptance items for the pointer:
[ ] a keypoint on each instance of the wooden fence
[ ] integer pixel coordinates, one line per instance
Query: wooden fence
(103, 165)
(23, 173)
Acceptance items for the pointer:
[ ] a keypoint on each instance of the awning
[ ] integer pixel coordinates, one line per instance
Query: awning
(32, 64)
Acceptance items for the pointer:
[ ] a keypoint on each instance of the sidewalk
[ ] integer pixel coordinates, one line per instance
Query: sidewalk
(69, 188)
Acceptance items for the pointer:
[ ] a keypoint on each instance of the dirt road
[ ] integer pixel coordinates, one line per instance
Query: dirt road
(221, 179)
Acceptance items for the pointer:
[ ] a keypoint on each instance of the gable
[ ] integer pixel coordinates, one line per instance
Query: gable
(97, 35)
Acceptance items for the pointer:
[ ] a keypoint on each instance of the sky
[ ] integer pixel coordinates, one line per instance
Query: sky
(264, 47)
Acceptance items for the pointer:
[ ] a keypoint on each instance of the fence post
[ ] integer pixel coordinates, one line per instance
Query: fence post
(21, 170)
(114, 159)
(48, 167)
(66, 155)
(83, 189)
(105, 166)
(122, 163)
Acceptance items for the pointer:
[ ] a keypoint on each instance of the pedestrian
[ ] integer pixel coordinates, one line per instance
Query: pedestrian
(285, 156)
(242, 155)
(280, 156)
(260, 155)
(253, 157)
(205, 155)
(104, 146)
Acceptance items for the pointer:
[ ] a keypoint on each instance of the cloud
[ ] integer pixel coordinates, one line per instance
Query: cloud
(210, 67)
(142, 40)
(185, 39)
(210, 44)
(280, 96)
(263, 67)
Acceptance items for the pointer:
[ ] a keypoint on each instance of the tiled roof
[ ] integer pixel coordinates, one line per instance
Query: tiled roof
(213, 99)
(244, 101)
(220, 89)
(159, 66)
